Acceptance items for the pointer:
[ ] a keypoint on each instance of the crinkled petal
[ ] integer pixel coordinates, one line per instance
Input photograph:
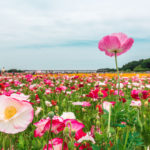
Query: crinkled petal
(121, 36)
(75, 125)
(108, 43)
(127, 45)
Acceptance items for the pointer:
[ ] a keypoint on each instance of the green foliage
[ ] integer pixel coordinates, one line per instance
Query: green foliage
(141, 65)
(14, 70)
(106, 70)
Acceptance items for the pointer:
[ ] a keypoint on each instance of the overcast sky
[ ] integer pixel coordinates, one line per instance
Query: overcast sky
(64, 34)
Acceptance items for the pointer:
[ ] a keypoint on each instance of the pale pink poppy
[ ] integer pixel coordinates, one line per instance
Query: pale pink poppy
(135, 103)
(121, 93)
(87, 137)
(84, 104)
(56, 144)
(48, 91)
(20, 97)
(38, 110)
(15, 115)
(68, 115)
(107, 105)
(115, 43)
(32, 87)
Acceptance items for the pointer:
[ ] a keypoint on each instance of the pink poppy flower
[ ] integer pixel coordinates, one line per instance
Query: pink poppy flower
(20, 96)
(73, 124)
(68, 115)
(87, 137)
(93, 93)
(144, 94)
(44, 125)
(61, 88)
(56, 144)
(123, 123)
(106, 105)
(84, 104)
(115, 43)
(121, 93)
(135, 94)
(79, 134)
(48, 91)
(15, 115)
(48, 82)
(28, 76)
(41, 127)
(135, 103)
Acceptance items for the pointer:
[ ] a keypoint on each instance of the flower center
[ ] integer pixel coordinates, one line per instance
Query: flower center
(10, 111)
(115, 50)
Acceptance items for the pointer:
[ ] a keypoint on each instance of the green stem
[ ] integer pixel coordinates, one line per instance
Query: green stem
(50, 136)
(4, 138)
(127, 135)
(9, 142)
(109, 119)
(117, 73)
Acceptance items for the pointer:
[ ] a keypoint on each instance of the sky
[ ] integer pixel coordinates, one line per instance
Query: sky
(64, 34)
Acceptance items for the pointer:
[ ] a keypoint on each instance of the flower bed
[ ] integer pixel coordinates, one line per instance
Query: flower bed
(74, 111)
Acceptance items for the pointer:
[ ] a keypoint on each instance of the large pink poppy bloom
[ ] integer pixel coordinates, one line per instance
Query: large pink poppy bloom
(15, 115)
(116, 42)
(44, 125)
(56, 144)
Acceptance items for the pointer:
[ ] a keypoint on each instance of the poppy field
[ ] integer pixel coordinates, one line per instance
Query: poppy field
(74, 111)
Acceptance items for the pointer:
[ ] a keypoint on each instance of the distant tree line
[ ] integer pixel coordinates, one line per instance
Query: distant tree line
(14, 71)
(136, 66)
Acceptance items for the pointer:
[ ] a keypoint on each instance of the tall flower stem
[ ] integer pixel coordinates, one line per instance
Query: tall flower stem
(10, 142)
(117, 73)
(50, 136)
(109, 119)
(4, 139)
(126, 139)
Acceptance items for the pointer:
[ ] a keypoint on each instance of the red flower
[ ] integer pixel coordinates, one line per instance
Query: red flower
(81, 85)
(54, 102)
(135, 94)
(93, 93)
(37, 98)
(111, 92)
(2, 86)
(144, 94)
(100, 108)
(79, 134)
(123, 100)
(111, 144)
(72, 87)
